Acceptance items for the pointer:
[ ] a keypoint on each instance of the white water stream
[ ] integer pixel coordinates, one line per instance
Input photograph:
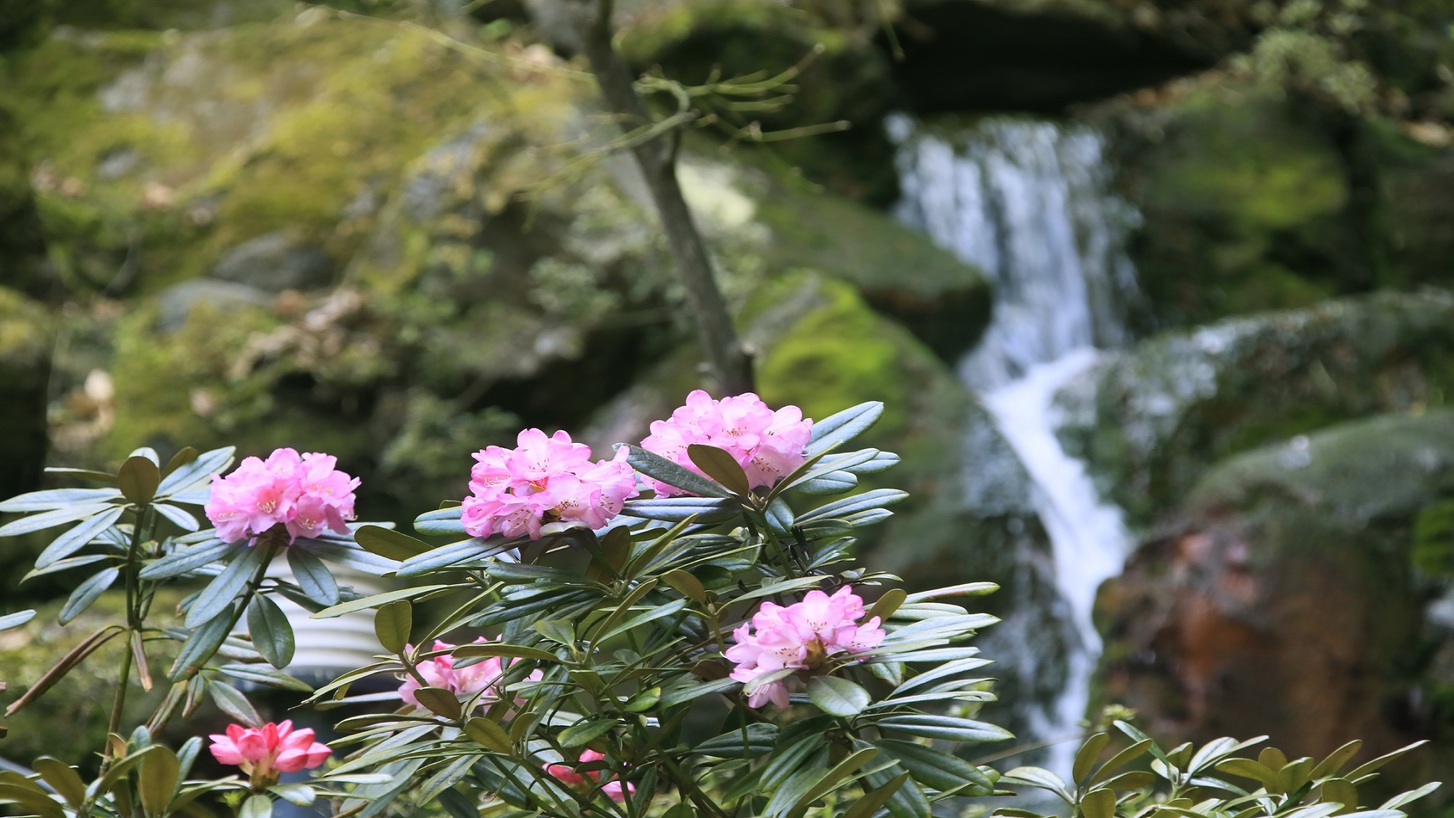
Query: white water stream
(1028, 203)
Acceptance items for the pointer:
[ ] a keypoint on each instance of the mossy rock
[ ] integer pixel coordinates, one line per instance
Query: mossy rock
(1284, 593)
(1149, 421)
(1245, 204)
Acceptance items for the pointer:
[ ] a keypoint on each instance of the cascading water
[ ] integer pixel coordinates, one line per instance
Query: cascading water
(1028, 203)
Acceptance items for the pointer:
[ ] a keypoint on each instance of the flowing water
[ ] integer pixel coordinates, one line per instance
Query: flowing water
(1028, 202)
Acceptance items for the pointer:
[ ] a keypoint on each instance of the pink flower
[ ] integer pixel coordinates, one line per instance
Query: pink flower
(306, 495)
(767, 444)
(482, 678)
(801, 637)
(566, 774)
(264, 752)
(544, 480)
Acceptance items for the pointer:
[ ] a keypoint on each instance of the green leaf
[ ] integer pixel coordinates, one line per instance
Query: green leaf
(1088, 754)
(643, 701)
(1403, 799)
(705, 510)
(183, 560)
(1376, 763)
(393, 624)
(16, 619)
(1336, 759)
(439, 701)
(51, 519)
(313, 577)
(185, 455)
(35, 799)
(559, 631)
(256, 806)
(1039, 778)
(934, 768)
(490, 735)
(138, 480)
(681, 695)
(834, 482)
(299, 793)
(1098, 804)
(388, 543)
(183, 476)
(848, 506)
(78, 536)
(582, 732)
(226, 586)
(1341, 791)
(200, 646)
(780, 517)
(86, 593)
(442, 522)
(377, 600)
(907, 800)
(752, 741)
(179, 516)
(963, 589)
(837, 697)
(57, 498)
(873, 800)
(835, 430)
(720, 466)
(1121, 759)
(62, 778)
(836, 777)
(1247, 768)
(264, 675)
(270, 630)
(157, 776)
(687, 584)
(231, 701)
(886, 605)
(654, 465)
(474, 649)
(448, 556)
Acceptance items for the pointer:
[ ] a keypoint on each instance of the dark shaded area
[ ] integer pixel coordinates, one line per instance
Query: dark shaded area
(964, 56)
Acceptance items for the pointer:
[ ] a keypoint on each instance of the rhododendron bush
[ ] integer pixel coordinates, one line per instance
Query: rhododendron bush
(677, 629)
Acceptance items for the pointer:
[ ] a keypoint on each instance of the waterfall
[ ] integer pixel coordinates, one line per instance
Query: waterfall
(1028, 202)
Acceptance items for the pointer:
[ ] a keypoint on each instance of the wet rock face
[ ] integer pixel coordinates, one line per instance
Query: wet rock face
(1150, 421)
(1283, 601)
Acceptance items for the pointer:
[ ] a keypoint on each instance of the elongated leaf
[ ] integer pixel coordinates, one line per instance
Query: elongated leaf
(348, 555)
(183, 560)
(225, 587)
(754, 740)
(835, 430)
(58, 498)
(300, 794)
(658, 467)
(720, 466)
(682, 695)
(66, 664)
(185, 455)
(1121, 759)
(157, 776)
(705, 510)
(837, 697)
(448, 556)
(650, 615)
(313, 576)
(138, 480)
(78, 537)
(179, 516)
(1098, 804)
(874, 799)
(35, 800)
(392, 625)
(906, 799)
(948, 728)
(1376, 763)
(687, 584)
(440, 701)
(582, 732)
(51, 519)
(834, 482)
(488, 734)
(1336, 759)
(62, 778)
(934, 768)
(878, 498)
(443, 522)
(477, 649)
(270, 630)
(789, 760)
(264, 675)
(386, 542)
(86, 593)
(1398, 802)
(187, 475)
(780, 518)
(16, 619)
(200, 646)
(377, 600)
(1039, 778)
(1089, 752)
(1247, 768)
(231, 701)
(256, 806)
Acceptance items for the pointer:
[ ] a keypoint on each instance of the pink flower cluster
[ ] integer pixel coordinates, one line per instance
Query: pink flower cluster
(304, 494)
(264, 752)
(566, 774)
(544, 479)
(767, 444)
(801, 636)
(481, 677)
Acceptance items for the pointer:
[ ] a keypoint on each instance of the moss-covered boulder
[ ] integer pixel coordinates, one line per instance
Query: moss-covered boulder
(1283, 601)
(1150, 421)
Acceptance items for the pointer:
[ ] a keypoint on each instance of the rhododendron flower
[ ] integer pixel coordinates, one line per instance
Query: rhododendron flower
(801, 636)
(566, 774)
(481, 677)
(306, 495)
(767, 444)
(264, 752)
(544, 480)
